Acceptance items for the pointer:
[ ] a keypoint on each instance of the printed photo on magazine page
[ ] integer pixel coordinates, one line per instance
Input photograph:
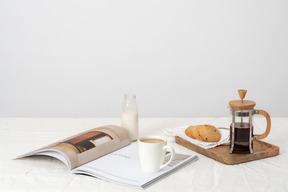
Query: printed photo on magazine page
(86, 146)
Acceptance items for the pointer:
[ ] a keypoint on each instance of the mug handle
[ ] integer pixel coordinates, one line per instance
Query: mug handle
(267, 131)
(171, 149)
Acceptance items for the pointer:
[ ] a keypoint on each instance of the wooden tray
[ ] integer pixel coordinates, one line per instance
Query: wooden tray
(221, 153)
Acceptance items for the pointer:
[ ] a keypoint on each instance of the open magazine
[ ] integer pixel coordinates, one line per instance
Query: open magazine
(107, 153)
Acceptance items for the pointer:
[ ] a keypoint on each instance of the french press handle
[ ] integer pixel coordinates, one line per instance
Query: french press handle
(268, 120)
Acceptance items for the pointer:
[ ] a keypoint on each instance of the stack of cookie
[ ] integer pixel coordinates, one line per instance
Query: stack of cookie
(207, 133)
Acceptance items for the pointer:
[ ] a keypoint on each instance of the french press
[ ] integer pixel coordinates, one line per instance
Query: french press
(241, 128)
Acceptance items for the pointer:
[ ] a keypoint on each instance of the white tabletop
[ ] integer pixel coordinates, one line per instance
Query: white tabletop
(21, 135)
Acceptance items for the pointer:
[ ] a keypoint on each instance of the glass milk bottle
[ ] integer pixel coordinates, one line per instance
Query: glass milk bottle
(129, 120)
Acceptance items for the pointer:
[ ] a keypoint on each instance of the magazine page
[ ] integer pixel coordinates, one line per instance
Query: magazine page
(123, 167)
(86, 146)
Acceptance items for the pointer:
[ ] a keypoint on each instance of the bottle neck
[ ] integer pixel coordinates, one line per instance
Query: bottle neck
(129, 104)
(129, 97)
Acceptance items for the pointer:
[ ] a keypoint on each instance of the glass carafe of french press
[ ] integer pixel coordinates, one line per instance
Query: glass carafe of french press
(241, 128)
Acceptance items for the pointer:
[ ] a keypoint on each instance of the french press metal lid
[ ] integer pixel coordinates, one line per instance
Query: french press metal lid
(241, 128)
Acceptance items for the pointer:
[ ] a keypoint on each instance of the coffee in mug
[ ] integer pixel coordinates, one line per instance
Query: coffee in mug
(152, 140)
(152, 152)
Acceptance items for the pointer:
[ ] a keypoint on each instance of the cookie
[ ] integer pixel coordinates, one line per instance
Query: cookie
(192, 132)
(188, 132)
(209, 133)
(196, 134)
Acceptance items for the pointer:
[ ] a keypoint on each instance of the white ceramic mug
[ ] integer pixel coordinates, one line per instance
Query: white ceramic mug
(152, 152)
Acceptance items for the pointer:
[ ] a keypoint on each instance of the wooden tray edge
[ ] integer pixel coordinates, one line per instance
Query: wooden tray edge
(209, 152)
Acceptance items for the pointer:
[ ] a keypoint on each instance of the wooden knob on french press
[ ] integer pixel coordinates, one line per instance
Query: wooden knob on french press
(242, 93)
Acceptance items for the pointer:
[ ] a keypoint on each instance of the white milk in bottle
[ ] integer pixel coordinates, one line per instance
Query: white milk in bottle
(129, 119)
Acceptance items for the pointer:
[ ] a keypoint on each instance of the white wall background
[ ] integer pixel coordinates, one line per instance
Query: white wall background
(181, 58)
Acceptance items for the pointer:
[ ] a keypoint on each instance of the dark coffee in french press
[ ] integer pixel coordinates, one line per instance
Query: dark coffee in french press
(242, 141)
(241, 128)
